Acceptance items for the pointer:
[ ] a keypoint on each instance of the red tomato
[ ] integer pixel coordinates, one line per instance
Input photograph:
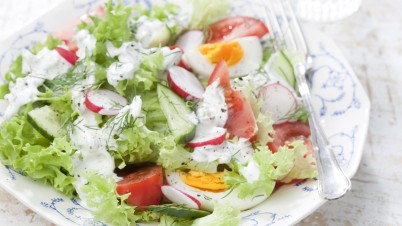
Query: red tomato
(241, 120)
(68, 55)
(289, 131)
(144, 185)
(221, 72)
(236, 27)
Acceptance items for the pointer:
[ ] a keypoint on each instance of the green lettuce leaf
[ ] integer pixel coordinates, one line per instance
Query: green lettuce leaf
(112, 27)
(110, 207)
(223, 215)
(4, 90)
(144, 78)
(174, 221)
(271, 166)
(207, 12)
(51, 165)
(174, 156)
(136, 144)
(23, 148)
(155, 120)
(159, 12)
(16, 134)
(304, 164)
(61, 103)
(50, 43)
(15, 70)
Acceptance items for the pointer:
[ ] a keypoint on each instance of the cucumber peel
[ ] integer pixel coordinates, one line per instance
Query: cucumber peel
(47, 122)
(177, 114)
(178, 211)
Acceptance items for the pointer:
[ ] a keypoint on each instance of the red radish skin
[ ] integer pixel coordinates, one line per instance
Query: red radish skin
(184, 83)
(279, 100)
(68, 55)
(181, 62)
(179, 197)
(187, 42)
(212, 136)
(104, 102)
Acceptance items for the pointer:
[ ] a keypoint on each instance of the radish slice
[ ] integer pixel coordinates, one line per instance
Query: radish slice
(180, 197)
(181, 62)
(190, 40)
(104, 102)
(279, 100)
(68, 55)
(205, 135)
(185, 84)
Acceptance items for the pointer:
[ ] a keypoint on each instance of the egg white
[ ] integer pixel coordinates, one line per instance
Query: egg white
(209, 199)
(251, 60)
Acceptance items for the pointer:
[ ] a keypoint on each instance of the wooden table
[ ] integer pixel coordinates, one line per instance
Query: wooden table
(372, 42)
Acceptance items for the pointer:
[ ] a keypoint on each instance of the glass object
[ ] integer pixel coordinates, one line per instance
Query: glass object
(325, 10)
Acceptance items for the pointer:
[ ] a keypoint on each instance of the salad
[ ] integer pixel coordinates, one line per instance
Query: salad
(182, 114)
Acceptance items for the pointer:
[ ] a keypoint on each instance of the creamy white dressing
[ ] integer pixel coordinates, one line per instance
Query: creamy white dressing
(152, 33)
(183, 16)
(129, 55)
(86, 44)
(240, 151)
(256, 80)
(119, 71)
(93, 143)
(92, 155)
(251, 172)
(171, 57)
(78, 92)
(45, 65)
(213, 110)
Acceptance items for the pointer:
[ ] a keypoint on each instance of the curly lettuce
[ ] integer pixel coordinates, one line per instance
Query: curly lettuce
(144, 78)
(304, 164)
(108, 206)
(25, 149)
(223, 215)
(288, 163)
(208, 11)
(136, 145)
(174, 156)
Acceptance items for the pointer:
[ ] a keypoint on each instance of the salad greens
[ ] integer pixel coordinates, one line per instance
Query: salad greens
(138, 134)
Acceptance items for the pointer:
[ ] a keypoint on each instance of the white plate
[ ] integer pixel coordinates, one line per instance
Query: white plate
(338, 97)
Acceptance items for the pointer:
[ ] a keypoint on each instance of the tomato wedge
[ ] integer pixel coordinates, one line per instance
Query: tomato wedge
(144, 186)
(236, 27)
(68, 55)
(241, 121)
(289, 131)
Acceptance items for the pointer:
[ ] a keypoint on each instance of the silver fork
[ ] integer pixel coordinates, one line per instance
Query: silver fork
(283, 24)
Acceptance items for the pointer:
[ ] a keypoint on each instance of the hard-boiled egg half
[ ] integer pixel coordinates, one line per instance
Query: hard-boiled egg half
(209, 190)
(242, 55)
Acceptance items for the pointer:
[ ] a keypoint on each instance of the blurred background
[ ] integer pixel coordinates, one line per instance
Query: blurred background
(371, 40)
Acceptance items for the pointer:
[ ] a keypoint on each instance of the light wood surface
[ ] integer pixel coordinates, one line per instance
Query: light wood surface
(372, 42)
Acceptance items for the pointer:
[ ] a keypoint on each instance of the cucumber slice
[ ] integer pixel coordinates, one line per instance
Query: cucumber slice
(46, 121)
(282, 66)
(177, 114)
(178, 211)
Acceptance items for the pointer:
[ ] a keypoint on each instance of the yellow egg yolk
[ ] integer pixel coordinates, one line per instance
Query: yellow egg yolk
(205, 181)
(230, 52)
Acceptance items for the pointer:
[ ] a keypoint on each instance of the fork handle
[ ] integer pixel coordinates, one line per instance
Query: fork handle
(332, 181)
